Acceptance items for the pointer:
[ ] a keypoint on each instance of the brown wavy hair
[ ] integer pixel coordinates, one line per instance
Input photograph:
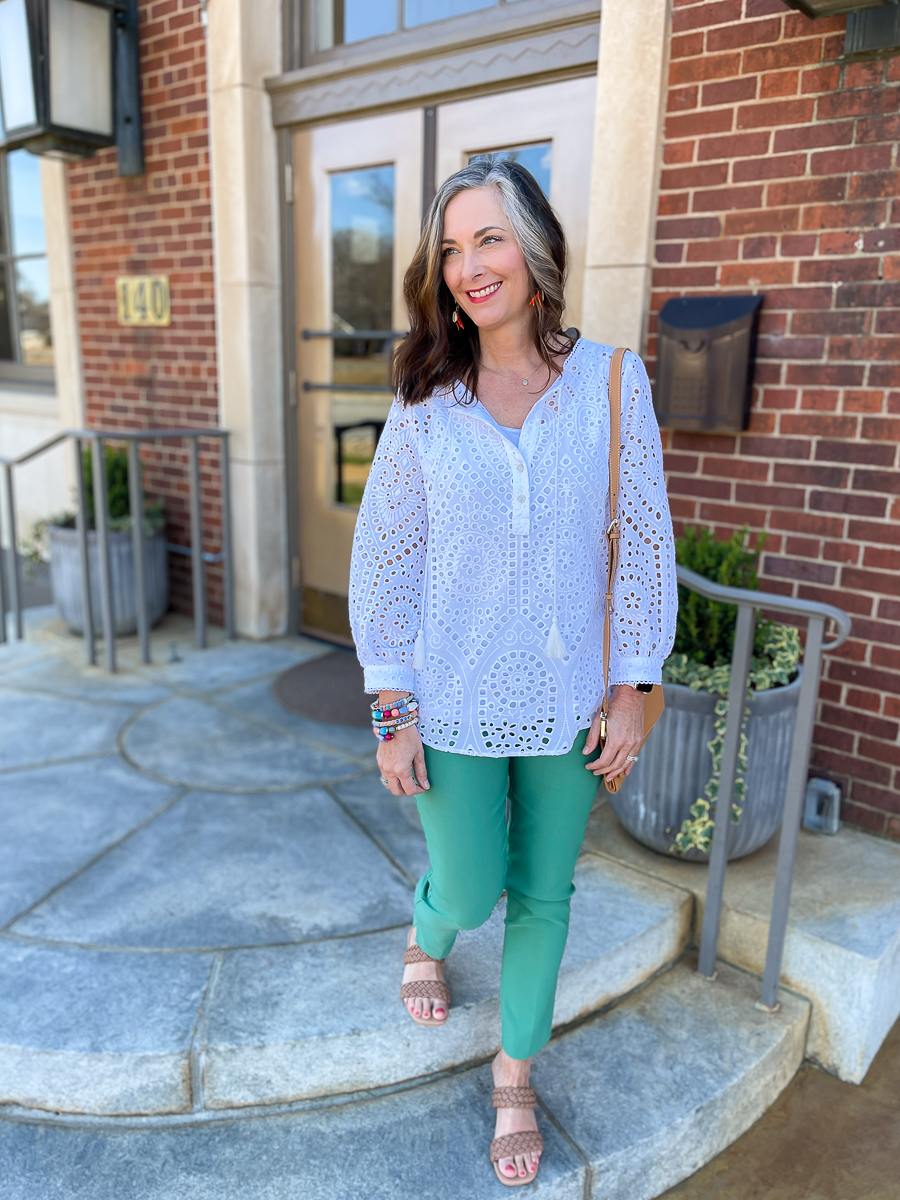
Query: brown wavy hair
(435, 354)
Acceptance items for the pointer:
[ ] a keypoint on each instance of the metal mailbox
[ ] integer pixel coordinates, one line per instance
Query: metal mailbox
(707, 348)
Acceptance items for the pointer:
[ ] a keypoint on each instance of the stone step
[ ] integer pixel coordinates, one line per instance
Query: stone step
(842, 945)
(632, 1101)
(105, 1031)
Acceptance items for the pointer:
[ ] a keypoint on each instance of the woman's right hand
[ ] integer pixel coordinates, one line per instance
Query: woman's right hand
(402, 762)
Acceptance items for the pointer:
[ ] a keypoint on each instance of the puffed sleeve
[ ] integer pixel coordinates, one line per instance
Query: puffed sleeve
(387, 565)
(645, 593)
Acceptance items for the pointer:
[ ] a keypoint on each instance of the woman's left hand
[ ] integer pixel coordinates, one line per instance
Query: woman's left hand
(624, 735)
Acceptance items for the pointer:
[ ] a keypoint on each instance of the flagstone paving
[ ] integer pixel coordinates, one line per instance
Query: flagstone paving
(203, 902)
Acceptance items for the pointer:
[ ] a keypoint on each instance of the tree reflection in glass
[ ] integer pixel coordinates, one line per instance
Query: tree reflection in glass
(362, 279)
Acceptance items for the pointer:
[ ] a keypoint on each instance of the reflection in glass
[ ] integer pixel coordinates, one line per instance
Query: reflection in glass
(33, 296)
(535, 159)
(25, 335)
(368, 18)
(341, 22)
(16, 88)
(423, 12)
(26, 205)
(6, 346)
(362, 272)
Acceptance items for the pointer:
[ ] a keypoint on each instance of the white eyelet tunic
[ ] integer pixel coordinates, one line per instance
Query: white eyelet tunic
(467, 544)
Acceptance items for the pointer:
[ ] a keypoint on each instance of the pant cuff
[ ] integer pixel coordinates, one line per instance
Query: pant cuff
(437, 943)
(522, 1049)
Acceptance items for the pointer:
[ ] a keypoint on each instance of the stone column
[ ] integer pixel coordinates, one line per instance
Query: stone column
(631, 91)
(244, 46)
(69, 378)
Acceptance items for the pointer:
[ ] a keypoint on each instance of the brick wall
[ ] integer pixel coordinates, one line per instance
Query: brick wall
(159, 223)
(780, 176)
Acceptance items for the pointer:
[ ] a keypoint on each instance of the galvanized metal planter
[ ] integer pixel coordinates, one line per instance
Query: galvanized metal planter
(675, 765)
(65, 577)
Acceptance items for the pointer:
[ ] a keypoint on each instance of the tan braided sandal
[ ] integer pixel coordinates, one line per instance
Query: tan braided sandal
(425, 989)
(526, 1141)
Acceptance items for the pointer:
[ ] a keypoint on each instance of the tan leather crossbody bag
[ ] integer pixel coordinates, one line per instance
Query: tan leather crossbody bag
(653, 701)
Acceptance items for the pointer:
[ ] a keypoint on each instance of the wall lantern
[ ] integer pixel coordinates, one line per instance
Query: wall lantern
(70, 79)
(833, 8)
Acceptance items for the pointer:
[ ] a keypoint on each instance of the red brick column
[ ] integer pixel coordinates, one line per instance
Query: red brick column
(160, 224)
(780, 176)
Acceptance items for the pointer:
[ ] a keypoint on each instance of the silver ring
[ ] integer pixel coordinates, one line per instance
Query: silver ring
(386, 782)
(631, 758)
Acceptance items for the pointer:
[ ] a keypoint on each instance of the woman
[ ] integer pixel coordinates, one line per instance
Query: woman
(477, 600)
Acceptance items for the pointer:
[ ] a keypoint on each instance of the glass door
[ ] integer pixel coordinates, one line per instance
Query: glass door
(549, 129)
(358, 188)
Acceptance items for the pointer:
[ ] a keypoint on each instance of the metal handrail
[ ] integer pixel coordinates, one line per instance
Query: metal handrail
(356, 335)
(199, 557)
(748, 604)
(799, 608)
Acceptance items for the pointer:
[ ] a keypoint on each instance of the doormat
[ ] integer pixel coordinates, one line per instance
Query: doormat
(329, 689)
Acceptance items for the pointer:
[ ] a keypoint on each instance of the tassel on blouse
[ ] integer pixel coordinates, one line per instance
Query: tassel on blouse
(555, 647)
(419, 651)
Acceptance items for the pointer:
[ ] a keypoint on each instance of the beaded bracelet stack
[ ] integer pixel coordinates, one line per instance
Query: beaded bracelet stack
(388, 718)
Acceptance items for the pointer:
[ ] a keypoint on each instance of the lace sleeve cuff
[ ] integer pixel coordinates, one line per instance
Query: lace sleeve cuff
(388, 677)
(635, 670)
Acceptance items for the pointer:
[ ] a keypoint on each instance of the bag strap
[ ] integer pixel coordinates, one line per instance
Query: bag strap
(612, 533)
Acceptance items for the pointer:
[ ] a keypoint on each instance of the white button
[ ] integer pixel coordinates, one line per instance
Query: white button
(520, 498)
(520, 466)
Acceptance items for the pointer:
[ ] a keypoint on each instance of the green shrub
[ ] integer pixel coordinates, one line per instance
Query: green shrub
(118, 505)
(705, 628)
(118, 499)
(704, 632)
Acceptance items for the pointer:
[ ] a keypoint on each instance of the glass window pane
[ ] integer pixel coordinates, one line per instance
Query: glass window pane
(362, 231)
(535, 159)
(423, 12)
(33, 296)
(368, 18)
(325, 23)
(26, 203)
(362, 275)
(16, 88)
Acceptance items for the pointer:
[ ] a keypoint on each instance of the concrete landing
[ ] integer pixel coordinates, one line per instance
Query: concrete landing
(630, 1103)
(842, 947)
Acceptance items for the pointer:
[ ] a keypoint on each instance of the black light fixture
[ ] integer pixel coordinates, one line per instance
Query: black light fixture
(70, 79)
(835, 8)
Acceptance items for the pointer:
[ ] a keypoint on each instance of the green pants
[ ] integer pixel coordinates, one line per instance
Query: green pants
(475, 854)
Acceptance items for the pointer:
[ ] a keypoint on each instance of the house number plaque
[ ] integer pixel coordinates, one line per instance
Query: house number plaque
(143, 300)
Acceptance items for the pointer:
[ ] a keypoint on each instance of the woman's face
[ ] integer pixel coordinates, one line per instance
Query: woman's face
(483, 266)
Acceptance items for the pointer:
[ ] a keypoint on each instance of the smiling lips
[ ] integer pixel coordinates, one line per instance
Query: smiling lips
(484, 293)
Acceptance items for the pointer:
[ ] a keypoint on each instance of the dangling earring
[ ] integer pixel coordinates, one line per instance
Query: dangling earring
(537, 296)
(457, 319)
